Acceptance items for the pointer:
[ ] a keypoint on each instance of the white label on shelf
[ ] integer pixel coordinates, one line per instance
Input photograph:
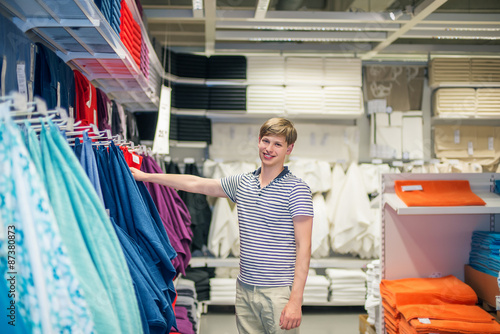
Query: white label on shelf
(376, 161)
(397, 163)
(416, 187)
(161, 143)
(418, 163)
(21, 79)
(377, 105)
(457, 136)
(490, 143)
(424, 320)
(453, 162)
(470, 148)
(324, 139)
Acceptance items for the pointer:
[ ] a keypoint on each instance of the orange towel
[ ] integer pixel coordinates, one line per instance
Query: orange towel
(438, 193)
(443, 290)
(455, 312)
(453, 327)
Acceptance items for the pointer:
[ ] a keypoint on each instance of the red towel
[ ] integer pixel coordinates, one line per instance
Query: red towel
(438, 193)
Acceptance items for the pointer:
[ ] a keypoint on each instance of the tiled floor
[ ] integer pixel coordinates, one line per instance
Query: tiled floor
(315, 320)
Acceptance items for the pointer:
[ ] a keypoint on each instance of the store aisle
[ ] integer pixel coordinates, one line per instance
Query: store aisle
(316, 320)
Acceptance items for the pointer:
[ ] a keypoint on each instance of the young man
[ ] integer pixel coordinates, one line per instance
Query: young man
(275, 215)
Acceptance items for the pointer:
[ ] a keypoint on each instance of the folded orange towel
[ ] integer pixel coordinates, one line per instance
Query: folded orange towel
(442, 290)
(437, 193)
(450, 312)
(443, 326)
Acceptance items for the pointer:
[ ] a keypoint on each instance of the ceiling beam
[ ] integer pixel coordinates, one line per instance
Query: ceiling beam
(420, 13)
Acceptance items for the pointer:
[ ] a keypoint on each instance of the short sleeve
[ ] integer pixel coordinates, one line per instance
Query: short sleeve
(301, 203)
(230, 185)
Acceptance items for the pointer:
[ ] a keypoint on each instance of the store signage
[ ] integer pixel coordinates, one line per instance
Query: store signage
(161, 144)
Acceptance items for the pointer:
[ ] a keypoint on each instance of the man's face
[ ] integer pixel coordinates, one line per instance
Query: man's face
(273, 150)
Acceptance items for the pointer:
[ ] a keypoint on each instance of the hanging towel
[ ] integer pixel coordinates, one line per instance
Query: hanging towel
(437, 193)
(96, 228)
(48, 296)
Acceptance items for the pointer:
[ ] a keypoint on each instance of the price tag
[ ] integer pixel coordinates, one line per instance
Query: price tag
(397, 163)
(21, 79)
(161, 144)
(418, 163)
(135, 159)
(457, 136)
(470, 148)
(377, 105)
(377, 161)
(490, 143)
(416, 187)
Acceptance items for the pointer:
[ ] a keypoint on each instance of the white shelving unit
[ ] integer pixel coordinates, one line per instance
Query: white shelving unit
(427, 241)
(344, 262)
(80, 35)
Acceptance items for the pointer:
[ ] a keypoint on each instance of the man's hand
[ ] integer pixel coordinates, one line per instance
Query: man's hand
(291, 316)
(138, 175)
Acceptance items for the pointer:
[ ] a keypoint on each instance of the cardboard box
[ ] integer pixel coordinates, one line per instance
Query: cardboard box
(485, 286)
(364, 326)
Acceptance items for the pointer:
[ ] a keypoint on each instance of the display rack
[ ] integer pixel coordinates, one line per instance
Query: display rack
(432, 241)
(80, 35)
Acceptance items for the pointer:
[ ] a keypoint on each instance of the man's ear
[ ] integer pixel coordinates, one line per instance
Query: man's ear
(289, 149)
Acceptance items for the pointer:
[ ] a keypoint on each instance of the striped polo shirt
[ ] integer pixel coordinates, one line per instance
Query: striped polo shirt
(267, 239)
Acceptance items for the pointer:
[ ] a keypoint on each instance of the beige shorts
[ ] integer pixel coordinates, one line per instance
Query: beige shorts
(258, 309)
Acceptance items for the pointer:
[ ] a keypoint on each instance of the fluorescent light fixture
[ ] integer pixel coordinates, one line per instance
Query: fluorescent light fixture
(305, 28)
(317, 40)
(490, 38)
(395, 14)
(198, 8)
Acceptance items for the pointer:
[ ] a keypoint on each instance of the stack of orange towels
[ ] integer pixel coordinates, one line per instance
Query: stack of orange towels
(442, 305)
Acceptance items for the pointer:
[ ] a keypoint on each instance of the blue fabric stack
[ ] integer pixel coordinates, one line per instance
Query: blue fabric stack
(485, 252)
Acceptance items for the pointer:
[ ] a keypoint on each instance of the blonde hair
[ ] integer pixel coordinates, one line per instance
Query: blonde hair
(279, 127)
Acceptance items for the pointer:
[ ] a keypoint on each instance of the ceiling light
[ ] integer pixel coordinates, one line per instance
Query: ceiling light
(491, 38)
(284, 39)
(395, 14)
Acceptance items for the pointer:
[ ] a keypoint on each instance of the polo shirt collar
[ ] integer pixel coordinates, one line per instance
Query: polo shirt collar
(283, 173)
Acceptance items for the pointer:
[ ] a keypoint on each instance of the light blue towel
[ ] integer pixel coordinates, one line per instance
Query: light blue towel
(97, 231)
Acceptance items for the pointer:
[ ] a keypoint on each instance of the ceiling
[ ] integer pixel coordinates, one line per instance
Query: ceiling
(370, 29)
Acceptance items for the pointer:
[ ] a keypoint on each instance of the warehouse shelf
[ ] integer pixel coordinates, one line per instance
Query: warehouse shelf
(492, 207)
(330, 262)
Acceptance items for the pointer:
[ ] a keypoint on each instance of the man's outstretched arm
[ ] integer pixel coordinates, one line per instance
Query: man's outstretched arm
(189, 183)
